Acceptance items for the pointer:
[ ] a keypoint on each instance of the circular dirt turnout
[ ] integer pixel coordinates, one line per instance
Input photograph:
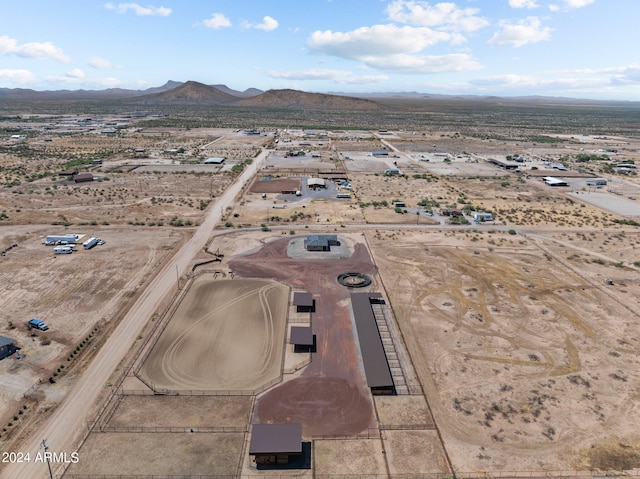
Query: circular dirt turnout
(354, 280)
(224, 335)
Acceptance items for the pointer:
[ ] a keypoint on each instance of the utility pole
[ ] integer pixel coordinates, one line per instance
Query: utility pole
(46, 456)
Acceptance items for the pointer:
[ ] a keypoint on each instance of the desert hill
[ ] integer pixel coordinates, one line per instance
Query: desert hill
(191, 92)
(295, 99)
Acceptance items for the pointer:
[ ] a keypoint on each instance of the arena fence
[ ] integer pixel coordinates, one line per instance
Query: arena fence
(467, 475)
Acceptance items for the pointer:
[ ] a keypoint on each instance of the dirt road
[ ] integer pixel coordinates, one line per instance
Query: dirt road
(67, 425)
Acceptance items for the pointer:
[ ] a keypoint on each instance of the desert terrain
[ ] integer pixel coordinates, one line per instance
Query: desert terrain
(515, 337)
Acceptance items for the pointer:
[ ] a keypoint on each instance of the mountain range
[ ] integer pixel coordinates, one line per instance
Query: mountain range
(195, 93)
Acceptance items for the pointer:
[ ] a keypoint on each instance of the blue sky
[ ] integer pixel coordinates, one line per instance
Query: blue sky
(572, 48)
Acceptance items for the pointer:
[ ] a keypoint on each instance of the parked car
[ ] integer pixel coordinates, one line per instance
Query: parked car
(38, 324)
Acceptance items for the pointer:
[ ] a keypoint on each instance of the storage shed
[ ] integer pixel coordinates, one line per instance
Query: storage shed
(7, 347)
(276, 444)
(303, 302)
(302, 338)
(83, 177)
(316, 183)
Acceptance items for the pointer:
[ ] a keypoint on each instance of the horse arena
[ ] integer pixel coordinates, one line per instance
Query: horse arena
(225, 335)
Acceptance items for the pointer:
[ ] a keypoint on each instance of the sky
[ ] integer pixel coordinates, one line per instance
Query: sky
(562, 48)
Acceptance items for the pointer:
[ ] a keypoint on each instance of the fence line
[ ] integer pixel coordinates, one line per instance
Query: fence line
(156, 391)
(160, 429)
(370, 433)
(426, 475)
(407, 427)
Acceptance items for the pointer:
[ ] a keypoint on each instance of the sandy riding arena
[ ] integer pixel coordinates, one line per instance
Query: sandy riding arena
(224, 335)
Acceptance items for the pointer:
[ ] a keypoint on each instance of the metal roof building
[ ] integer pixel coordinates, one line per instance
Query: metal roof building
(320, 242)
(275, 443)
(214, 161)
(551, 181)
(82, 177)
(303, 302)
(374, 359)
(7, 347)
(316, 183)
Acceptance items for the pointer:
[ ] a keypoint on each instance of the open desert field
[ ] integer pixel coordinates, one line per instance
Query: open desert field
(525, 356)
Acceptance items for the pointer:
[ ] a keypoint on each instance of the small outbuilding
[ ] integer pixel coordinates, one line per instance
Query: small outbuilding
(7, 347)
(214, 161)
(481, 217)
(380, 153)
(316, 183)
(83, 177)
(552, 181)
(276, 444)
(303, 302)
(302, 338)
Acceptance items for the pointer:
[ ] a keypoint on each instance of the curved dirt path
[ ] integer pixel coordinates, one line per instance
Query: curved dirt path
(66, 427)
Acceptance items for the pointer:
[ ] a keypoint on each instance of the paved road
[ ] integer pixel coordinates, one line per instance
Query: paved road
(65, 427)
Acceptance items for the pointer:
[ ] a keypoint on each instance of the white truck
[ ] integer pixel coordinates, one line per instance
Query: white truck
(62, 250)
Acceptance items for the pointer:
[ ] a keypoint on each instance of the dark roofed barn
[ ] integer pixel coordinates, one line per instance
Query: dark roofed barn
(320, 242)
(83, 177)
(302, 338)
(374, 359)
(276, 444)
(304, 302)
(7, 347)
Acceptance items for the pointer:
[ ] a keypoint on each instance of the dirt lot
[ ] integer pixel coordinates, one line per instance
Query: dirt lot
(160, 454)
(77, 295)
(528, 358)
(225, 335)
(182, 412)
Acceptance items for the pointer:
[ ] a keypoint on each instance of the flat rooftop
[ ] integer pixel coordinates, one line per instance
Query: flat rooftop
(301, 335)
(276, 439)
(303, 299)
(376, 367)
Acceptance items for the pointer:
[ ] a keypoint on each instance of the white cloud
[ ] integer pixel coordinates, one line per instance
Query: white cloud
(17, 77)
(529, 30)
(75, 73)
(424, 64)
(375, 41)
(578, 3)
(338, 76)
(139, 10)
(217, 21)
(268, 24)
(554, 8)
(34, 50)
(393, 48)
(523, 4)
(97, 62)
(608, 82)
(445, 15)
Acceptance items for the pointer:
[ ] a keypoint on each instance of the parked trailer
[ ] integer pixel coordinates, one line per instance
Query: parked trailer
(90, 243)
(53, 239)
(62, 250)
